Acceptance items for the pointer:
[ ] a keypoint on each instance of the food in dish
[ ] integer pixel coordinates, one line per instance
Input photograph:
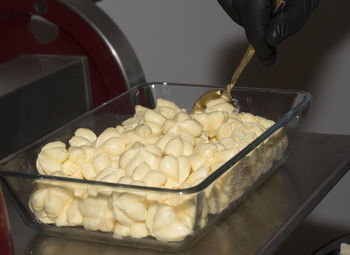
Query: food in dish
(163, 147)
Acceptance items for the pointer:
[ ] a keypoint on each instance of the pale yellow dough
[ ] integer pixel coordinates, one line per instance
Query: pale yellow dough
(163, 147)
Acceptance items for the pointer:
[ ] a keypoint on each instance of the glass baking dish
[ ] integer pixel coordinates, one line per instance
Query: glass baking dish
(200, 207)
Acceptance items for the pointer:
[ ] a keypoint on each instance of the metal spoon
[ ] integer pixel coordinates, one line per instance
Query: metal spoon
(201, 103)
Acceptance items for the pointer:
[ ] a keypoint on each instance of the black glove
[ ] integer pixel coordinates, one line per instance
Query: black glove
(264, 29)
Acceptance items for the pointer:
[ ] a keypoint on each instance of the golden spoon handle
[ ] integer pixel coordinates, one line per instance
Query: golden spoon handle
(245, 60)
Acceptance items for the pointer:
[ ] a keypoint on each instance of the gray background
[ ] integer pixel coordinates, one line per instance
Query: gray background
(194, 41)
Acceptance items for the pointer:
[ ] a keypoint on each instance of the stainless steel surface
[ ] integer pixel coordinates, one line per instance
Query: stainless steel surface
(39, 93)
(258, 226)
(112, 36)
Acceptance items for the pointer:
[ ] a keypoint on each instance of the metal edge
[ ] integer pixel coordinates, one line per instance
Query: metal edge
(303, 211)
(113, 37)
(86, 77)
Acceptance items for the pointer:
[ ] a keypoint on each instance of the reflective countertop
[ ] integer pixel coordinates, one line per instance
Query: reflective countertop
(258, 226)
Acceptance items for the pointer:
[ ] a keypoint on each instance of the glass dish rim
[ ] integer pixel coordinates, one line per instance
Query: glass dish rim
(190, 190)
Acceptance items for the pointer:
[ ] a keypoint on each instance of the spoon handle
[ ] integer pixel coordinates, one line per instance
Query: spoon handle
(245, 60)
(247, 57)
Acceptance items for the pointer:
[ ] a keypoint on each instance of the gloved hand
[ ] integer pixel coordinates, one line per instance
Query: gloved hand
(264, 29)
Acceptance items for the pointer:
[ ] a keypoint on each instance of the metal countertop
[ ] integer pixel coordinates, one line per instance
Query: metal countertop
(258, 226)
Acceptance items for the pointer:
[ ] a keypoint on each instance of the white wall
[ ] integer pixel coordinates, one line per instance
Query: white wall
(194, 41)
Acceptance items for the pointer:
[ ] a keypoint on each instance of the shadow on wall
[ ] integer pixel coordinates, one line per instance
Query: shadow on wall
(299, 58)
(309, 238)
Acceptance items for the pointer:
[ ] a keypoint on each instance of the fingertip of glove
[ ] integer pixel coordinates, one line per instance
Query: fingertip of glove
(269, 61)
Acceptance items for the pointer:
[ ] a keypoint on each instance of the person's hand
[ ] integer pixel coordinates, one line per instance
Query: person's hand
(264, 29)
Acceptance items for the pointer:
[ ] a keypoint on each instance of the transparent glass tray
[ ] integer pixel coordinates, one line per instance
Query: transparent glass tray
(207, 202)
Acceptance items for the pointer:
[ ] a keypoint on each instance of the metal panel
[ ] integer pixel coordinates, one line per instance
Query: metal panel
(38, 94)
